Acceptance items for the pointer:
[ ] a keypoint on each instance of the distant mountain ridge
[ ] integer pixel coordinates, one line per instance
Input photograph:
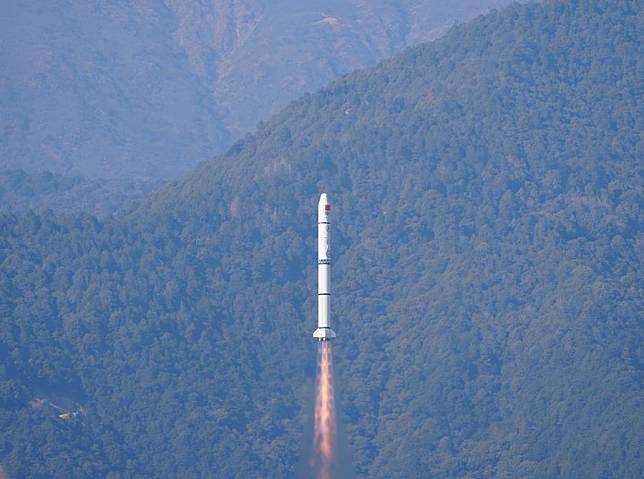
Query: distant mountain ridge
(149, 89)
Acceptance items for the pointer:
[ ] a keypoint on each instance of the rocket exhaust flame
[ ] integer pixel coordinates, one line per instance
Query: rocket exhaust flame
(324, 439)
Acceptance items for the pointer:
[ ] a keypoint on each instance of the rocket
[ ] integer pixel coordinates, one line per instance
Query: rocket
(324, 331)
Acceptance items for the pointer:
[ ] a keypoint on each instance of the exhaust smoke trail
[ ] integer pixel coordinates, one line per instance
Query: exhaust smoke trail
(324, 436)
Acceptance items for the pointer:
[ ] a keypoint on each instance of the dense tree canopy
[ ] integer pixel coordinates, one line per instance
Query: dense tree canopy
(21, 191)
(487, 246)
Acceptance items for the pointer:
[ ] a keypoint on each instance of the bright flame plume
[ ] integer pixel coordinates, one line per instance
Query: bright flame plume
(324, 440)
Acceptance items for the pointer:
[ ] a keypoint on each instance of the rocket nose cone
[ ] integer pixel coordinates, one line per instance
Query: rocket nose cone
(323, 208)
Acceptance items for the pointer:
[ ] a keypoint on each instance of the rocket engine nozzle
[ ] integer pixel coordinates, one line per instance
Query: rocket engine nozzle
(324, 334)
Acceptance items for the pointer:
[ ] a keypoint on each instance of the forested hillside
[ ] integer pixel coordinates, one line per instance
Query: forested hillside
(487, 247)
(21, 191)
(148, 89)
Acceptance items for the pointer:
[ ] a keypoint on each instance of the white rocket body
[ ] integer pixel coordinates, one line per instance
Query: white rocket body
(324, 331)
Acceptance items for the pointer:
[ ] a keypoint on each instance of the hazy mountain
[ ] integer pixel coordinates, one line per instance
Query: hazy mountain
(487, 248)
(148, 89)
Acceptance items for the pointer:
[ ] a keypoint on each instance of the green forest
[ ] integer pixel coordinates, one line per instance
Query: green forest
(487, 250)
(21, 191)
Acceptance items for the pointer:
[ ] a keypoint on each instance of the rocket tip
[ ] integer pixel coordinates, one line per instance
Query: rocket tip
(323, 206)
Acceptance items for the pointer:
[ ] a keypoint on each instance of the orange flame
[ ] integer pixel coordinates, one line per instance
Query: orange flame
(324, 436)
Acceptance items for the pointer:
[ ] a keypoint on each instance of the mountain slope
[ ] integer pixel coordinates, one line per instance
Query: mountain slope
(21, 192)
(151, 88)
(100, 91)
(487, 242)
